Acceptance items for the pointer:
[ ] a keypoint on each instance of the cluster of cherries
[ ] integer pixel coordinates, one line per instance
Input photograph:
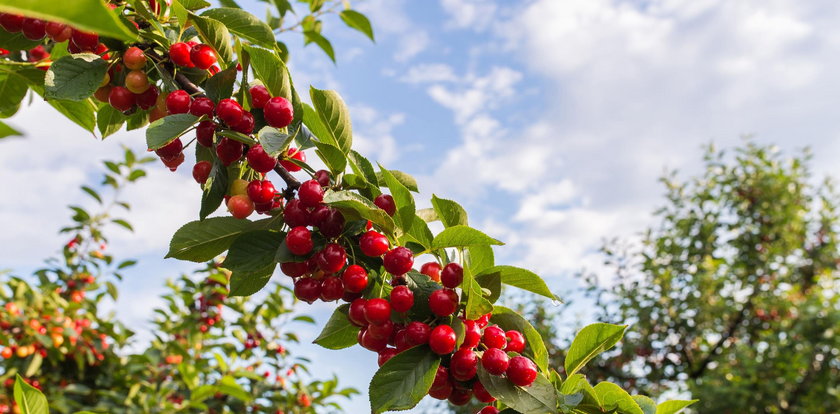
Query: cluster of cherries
(37, 29)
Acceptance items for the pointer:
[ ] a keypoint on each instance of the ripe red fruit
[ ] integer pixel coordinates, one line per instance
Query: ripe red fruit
(386, 202)
(137, 82)
(178, 102)
(494, 337)
(259, 160)
(202, 106)
(307, 289)
(84, 40)
(331, 289)
(240, 206)
(401, 340)
(259, 96)
(179, 54)
(245, 124)
(521, 371)
(332, 224)
(202, 56)
(295, 154)
(443, 302)
(442, 340)
(102, 94)
(489, 410)
(373, 244)
(295, 215)
(472, 334)
(483, 320)
(58, 32)
(367, 341)
(402, 299)
(481, 393)
(204, 133)
(398, 260)
(310, 193)
(37, 54)
(442, 386)
(356, 313)
(299, 241)
(148, 98)
(201, 171)
(381, 331)
(332, 258)
(452, 275)
(417, 333)
(495, 361)
(121, 98)
(34, 29)
(460, 396)
(294, 269)
(322, 177)
(261, 191)
(13, 23)
(229, 111)
(377, 311)
(355, 278)
(515, 341)
(431, 269)
(229, 150)
(278, 112)
(464, 365)
(385, 355)
(173, 162)
(133, 57)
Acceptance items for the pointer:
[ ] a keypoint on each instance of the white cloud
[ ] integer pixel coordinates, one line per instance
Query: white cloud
(389, 17)
(429, 72)
(469, 14)
(373, 133)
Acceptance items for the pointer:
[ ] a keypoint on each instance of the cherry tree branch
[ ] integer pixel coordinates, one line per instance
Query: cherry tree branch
(292, 184)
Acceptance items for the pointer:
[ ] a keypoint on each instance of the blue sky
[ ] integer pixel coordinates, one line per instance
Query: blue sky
(550, 120)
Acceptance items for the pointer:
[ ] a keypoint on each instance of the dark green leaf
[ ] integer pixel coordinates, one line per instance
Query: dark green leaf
(269, 69)
(273, 141)
(75, 77)
(404, 380)
(215, 34)
(200, 241)
(523, 279)
(252, 251)
(476, 304)
(589, 342)
(350, 203)
(357, 21)
(214, 190)
(334, 117)
(449, 212)
(12, 91)
(338, 333)
(333, 158)
(109, 120)
(243, 24)
(165, 130)
(538, 398)
(246, 283)
(402, 198)
(16, 41)
(220, 85)
(321, 41)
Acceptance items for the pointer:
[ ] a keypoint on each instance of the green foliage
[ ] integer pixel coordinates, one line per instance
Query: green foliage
(404, 380)
(28, 398)
(90, 15)
(75, 77)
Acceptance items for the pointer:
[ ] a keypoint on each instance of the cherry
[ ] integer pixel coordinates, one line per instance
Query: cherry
(442, 339)
(442, 386)
(331, 289)
(460, 396)
(102, 93)
(489, 410)
(521, 371)
(299, 241)
(294, 269)
(261, 191)
(156, 114)
(58, 32)
(148, 98)
(85, 40)
(13, 23)
(259, 96)
(322, 177)
(355, 278)
(386, 202)
(398, 260)
(259, 160)
(350, 296)
(318, 214)
(472, 334)
(229, 111)
(402, 299)
(516, 341)
(417, 333)
(121, 98)
(202, 106)
(101, 50)
(240, 206)
(137, 82)
(431, 269)
(483, 320)
(133, 57)
(452, 275)
(202, 56)
(495, 361)
(373, 244)
(238, 186)
(401, 340)
(307, 289)
(245, 124)
(377, 311)
(179, 54)
(201, 171)
(278, 112)
(381, 331)
(310, 193)
(464, 365)
(38, 53)
(443, 302)
(178, 102)
(494, 337)
(204, 133)
(385, 355)
(295, 154)
(34, 29)
(356, 313)
(332, 258)
(229, 150)
(295, 215)
(481, 393)
(367, 341)
(332, 224)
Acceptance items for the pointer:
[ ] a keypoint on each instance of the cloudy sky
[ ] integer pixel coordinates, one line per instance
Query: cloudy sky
(550, 120)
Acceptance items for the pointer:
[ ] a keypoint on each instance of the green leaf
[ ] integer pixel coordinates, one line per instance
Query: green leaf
(333, 158)
(273, 141)
(334, 115)
(214, 190)
(165, 130)
(92, 193)
(316, 127)
(82, 113)
(202, 240)
(220, 85)
(405, 179)
(349, 203)
(215, 34)
(589, 342)
(88, 15)
(75, 77)
(647, 405)
(243, 24)
(476, 303)
(109, 120)
(404, 380)
(29, 399)
(362, 166)
(321, 41)
(462, 236)
(523, 279)
(538, 398)
(7, 131)
(357, 21)
(402, 198)
(12, 91)
(16, 41)
(491, 282)
(246, 283)
(179, 11)
(194, 4)
(673, 406)
(237, 136)
(269, 69)
(535, 349)
(34, 364)
(612, 397)
(338, 333)
(422, 286)
(253, 251)
(229, 386)
(449, 212)
(577, 389)
(481, 259)
(137, 120)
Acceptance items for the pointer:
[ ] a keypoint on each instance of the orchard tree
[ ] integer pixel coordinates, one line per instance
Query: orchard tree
(734, 293)
(216, 79)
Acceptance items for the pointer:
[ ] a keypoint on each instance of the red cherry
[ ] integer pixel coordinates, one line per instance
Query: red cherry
(299, 241)
(332, 258)
(59, 32)
(294, 269)
(171, 149)
(385, 355)
(401, 340)
(489, 410)
(402, 299)
(245, 124)
(472, 334)
(295, 154)
(202, 56)
(515, 341)
(259, 96)
(278, 112)
(133, 57)
(350, 296)
(310, 193)
(386, 202)
(367, 341)
(431, 269)
(307, 289)
(229, 150)
(417, 333)
(483, 320)
(201, 171)
(34, 29)
(318, 214)
(521, 371)
(442, 340)
(381, 331)
(204, 133)
(464, 365)
(398, 261)
(261, 191)
(295, 215)
(495, 361)
(377, 311)
(332, 224)
(240, 206)
(356, 313)
(84, 40)
(178, 102)
(259, 160)
(121, 98)
(442, 386)
(148, 98)
(137, 82)
(443, 302)
(322, 177)
(331, 289)
(202, 106)
(494, 337)
(373, 244)
(355, 278)
(481, 393)
(460, 396)
(13, 23)
(229, 111)
(37, 54)
(179, 54)
(452, 275)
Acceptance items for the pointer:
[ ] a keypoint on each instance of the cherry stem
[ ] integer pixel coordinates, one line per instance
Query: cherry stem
(292, 184)
(179, 78)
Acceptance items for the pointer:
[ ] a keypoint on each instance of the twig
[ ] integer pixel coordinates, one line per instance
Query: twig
(292, 184)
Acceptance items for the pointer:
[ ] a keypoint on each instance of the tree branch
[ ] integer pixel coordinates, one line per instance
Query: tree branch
(292, 184)
(730, 331)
